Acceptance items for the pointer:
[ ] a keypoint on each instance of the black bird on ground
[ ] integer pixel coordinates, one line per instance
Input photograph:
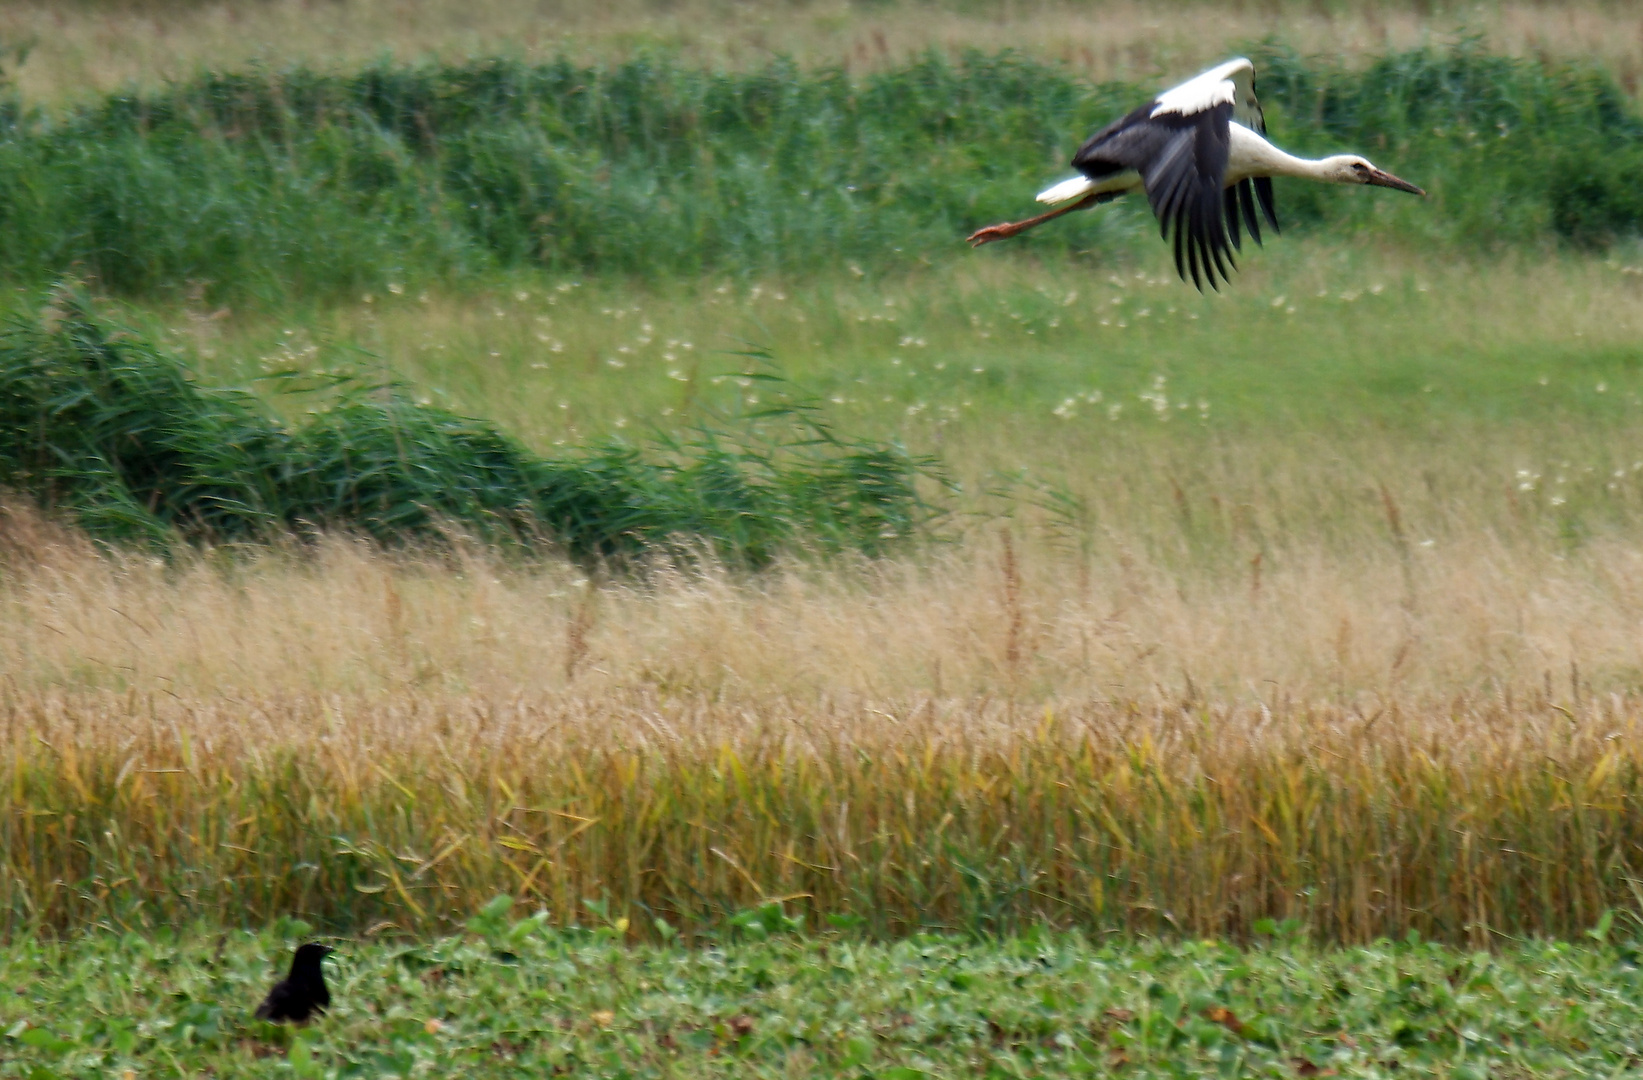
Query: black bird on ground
(302, 993)
(1200, 155)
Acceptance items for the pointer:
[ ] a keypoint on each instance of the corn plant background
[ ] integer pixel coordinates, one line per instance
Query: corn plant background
(917, 816)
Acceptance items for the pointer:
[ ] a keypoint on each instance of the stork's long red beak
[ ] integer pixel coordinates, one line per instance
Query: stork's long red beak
(1386, 179)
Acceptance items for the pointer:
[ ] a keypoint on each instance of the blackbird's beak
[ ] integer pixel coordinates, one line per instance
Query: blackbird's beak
(1386, 179)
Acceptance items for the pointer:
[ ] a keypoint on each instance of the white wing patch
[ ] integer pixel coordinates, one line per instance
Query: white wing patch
(1067, 189)
(1245, 109)
(1231, 82)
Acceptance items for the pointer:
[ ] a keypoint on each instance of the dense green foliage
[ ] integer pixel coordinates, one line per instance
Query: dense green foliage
(275, 182)
(516, 999)
(96, 420)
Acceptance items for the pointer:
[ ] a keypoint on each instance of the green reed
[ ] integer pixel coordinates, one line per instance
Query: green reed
(101, 423)
(275, 183)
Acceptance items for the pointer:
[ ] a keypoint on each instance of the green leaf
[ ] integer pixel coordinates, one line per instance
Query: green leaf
(41, 1039)
(123, 1038)
(288, 928)
(1600, 932)
(857, 1051)
(492, 920)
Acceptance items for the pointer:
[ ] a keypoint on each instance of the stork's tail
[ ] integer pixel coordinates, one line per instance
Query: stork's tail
(1066, 190)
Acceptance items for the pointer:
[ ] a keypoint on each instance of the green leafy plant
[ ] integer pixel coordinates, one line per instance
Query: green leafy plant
(505, 935)
(767, 920)
(1048, 1005)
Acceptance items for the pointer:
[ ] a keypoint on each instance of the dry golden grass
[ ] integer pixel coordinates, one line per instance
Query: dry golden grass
(1368, 737)
(1411, 619)
(82, 49)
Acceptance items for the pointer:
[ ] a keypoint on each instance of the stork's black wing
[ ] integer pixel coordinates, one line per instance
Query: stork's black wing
(1240, 201)
(1246, 110)
(1182, 162)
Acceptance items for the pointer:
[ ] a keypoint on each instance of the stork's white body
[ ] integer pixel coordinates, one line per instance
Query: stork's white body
(1248, 156)
(1080, 186)
(1199, 152)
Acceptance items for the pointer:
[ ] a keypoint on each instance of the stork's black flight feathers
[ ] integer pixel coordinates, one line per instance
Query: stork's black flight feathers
(1181, 159)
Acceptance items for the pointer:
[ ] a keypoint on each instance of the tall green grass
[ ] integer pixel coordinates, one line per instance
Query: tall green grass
(300, 182)
(97, 421)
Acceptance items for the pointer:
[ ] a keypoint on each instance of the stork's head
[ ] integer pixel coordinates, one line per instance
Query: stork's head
(1352, 169)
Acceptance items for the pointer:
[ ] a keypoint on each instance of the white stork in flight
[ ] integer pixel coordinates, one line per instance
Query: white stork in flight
(1199, 152)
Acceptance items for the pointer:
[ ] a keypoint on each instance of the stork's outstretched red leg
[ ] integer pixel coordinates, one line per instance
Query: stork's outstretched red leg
(1015, 228)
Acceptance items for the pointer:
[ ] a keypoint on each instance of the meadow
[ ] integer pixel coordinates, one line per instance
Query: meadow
(606, 477)
(1155, 669)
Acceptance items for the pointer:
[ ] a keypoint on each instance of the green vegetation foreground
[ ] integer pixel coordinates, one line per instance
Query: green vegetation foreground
(515, 999)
